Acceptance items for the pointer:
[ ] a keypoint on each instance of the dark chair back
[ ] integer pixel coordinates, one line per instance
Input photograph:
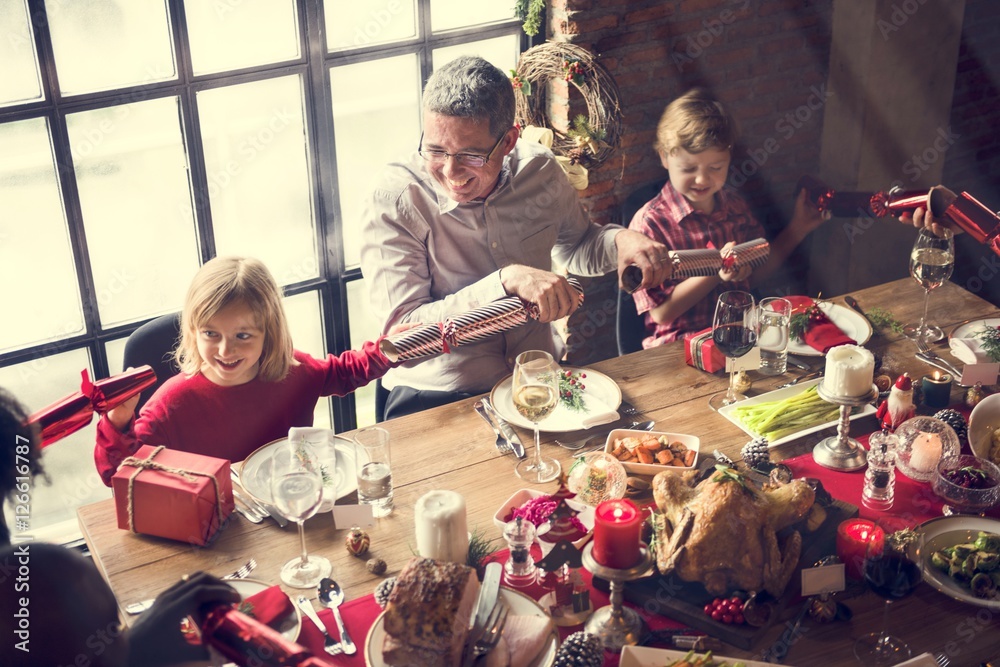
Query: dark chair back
(381, 396)
(630, 327)
(153, 343)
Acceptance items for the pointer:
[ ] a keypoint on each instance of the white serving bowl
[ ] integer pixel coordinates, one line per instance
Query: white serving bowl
(985, 419)
(585, 515)
(692, 442)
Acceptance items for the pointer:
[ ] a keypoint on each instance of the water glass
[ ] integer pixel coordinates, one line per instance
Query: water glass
(374, 470)
(775, 314)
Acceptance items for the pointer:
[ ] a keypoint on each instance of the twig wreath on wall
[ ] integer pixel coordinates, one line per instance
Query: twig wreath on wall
(592, 138)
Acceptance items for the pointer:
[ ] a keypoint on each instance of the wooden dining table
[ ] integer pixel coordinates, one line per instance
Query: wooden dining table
(452, 448)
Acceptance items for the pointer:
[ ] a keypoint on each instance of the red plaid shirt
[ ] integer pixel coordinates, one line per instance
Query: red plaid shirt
(670, 219)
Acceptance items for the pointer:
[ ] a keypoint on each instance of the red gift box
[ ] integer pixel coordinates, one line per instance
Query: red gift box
(700, 351)
(167, 493)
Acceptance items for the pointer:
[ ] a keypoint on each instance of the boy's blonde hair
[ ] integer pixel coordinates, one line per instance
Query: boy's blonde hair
(225, 281)
(695, 121)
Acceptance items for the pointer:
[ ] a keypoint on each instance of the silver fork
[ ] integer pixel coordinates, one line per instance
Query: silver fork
(628, 409)
(503, 444)
(941, 659)
(494, 629)
(239, 573)
(330, 645)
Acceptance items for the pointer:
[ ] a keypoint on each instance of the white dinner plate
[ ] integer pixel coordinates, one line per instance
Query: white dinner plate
(519, 604)
(947, 531)
(255, 473)
(851, 322)
(644, 656)
(563, 420)
(728, 411)
(967, 329)
(289, 626)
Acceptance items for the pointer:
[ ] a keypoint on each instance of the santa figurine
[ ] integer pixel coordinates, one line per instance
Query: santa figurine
(899, 406)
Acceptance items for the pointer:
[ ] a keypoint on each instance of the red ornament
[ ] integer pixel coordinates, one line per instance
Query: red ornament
(357, 542)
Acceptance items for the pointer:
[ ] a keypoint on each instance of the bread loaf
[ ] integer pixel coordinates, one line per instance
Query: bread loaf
(429, 613)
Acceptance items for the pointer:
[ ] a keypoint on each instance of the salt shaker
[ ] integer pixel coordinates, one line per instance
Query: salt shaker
(880, 478)
(520, 567)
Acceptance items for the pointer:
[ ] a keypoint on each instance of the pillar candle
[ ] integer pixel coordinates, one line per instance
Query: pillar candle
(441, 527)
(925, 452)
(849, 371)
(936, 390)
(617, 526)
(853, 536)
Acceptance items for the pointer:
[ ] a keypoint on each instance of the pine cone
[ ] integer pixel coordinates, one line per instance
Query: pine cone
(755, 453)
(580, 650)
(384, 590)
(956, 421)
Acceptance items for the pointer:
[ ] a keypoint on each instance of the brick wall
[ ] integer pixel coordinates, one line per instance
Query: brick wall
(766, 60)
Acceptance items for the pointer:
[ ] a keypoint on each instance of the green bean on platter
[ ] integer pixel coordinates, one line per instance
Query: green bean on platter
(779, 418)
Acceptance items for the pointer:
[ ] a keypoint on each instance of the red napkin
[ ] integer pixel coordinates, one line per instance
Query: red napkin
(821, 335)
(268, 606)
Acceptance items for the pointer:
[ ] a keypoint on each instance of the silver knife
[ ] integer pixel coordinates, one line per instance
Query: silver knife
(798, 363)
(489, 593)
(505, 428)
(853, 303)
(253, 503)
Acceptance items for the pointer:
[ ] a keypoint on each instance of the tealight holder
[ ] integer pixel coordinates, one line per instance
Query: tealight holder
(615, 624)
(842, 452)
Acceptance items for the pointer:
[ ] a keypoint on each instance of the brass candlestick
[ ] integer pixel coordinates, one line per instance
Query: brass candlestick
(842, 452)
(615, 624)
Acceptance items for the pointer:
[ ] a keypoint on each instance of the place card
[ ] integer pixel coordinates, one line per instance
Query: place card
(348, 516)
(983, 373)
(823, 579)
(748, 362)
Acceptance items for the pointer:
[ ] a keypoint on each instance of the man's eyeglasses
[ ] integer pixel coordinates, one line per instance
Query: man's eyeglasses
(465, 159)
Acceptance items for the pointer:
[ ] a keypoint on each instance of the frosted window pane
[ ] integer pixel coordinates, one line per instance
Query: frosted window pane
(20, 82)
(40, 299)
(259, 182)
(366, 22)
(373, 125)
(106, 44)
(448, 14)
(502, 52)
(234, 35)
(131, 171)
(69, 462)
(306, 325)
(364, 326)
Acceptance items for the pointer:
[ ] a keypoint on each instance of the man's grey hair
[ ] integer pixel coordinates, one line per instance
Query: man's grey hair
(470, 87)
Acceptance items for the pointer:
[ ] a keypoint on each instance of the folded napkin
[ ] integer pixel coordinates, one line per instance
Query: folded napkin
(595, 413)
(969, 351)
(269, 606)
(523, 639)
(922, 660)
(822, 334)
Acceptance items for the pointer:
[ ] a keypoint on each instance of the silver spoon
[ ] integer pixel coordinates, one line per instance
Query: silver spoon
(331, 596)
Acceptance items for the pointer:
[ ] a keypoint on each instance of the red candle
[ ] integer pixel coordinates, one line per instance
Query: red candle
(617, 524)
(853, 537)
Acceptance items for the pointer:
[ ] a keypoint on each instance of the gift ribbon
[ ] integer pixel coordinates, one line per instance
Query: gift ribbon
(187, 475)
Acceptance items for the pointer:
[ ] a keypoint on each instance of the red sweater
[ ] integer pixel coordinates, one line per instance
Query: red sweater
(193, 414)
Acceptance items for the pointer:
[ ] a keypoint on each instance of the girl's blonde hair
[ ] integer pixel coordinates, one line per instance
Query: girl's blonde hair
(695, 121)
(225, 281)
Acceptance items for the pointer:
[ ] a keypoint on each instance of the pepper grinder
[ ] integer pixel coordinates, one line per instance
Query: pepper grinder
(519, 570)
(880, 478)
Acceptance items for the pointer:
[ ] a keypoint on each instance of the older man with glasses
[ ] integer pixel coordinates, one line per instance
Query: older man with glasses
(473, 216)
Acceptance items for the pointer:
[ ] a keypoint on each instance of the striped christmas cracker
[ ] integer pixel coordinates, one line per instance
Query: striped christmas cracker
(477, 324)
(704, 262)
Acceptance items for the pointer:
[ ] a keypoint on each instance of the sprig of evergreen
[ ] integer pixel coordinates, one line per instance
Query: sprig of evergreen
(883, 319)
(989, 339)
(529, 12)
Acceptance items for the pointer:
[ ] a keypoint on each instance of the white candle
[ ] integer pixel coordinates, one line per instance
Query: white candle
(442, 531)
(925, 452)
(849, 371)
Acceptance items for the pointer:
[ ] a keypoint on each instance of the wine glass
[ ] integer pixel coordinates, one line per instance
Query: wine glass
(535, 392)
(734, 330)
(890, 573)
(931, 263)
(297, 490)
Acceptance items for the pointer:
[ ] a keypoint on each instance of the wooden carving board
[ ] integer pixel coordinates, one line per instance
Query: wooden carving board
(685, 602)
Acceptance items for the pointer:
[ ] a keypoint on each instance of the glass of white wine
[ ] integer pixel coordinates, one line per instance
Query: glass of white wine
(535, 392)
(297, 490)
(931, 263)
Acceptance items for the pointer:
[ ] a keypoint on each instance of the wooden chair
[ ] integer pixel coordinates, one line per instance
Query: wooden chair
(153, 343)
(630, 327)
